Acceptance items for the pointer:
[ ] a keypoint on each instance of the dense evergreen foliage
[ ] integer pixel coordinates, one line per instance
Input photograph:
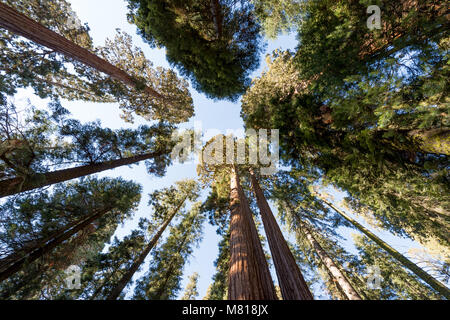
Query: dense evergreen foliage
(214, 43)
(364, 142)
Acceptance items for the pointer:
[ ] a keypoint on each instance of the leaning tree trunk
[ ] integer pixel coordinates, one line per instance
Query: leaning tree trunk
(16, 256)
(20, 24)
(432, 282)
(39, 180)
(292, 284)
(332, 268)
(127, 277)
(249, 275)
(49, 246)
(170, 270)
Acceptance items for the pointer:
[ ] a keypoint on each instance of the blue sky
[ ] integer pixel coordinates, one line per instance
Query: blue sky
(103, 17)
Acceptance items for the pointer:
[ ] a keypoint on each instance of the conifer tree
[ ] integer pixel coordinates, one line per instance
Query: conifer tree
(163, 279)
(131, 80)
(48, 232)
(214, 43)
(30, 153)
(191, 292)
(167, 204)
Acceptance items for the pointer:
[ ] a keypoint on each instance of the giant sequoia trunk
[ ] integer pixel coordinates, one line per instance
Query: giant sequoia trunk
(17, 185)
(18, 23)
(127, 277)
(50, 245)
(432, 282)
(249, 276)
(332, 268)
(291, 281)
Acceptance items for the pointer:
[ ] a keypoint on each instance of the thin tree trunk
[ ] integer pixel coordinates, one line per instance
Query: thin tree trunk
(20, 24)
(22, 252)
(38, 253)
(292, 284)
(249, 275)
(133, 269)
(25, 280)
(333, 269)
(18, 185)
(432, 282)
(170, 270)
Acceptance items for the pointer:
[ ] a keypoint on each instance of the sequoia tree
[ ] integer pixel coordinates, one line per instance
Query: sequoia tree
(30, 152)
(214, 43)
(167, 204)
(162, 281)
(154, 93)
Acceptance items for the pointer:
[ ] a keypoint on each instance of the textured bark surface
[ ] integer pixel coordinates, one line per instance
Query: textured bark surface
(422, 274)
(134, 268)
(20, 24)
(17, 185)
(216, 12)
(292, 284)
(332, 268)
(41, 251)
(249, 275)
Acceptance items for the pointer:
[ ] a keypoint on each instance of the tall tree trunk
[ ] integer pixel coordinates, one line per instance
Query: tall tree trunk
(127, 277)
(49, 246)
(432, 282)
(216, 12)
(20, 24)
(18, 185)
(16, 256)
(170, 270)
(249, 275)
(292, 284)
(25, 280)
(332, 268)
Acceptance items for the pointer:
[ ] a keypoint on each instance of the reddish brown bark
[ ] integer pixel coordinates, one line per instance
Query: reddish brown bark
(20, 24)
(292, 284)
(17, 185)
(249, 275)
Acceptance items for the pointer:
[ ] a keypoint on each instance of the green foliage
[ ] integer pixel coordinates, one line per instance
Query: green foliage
(162, 281)
(219, 286)
(30, 221)
(277, 17)
(25, 64)
(214, 43)
(376, 131)
(39, 141)
(396, 282)
(191, 292)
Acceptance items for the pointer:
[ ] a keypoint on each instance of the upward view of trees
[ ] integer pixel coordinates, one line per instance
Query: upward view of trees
(364, 145)
(214, 43)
